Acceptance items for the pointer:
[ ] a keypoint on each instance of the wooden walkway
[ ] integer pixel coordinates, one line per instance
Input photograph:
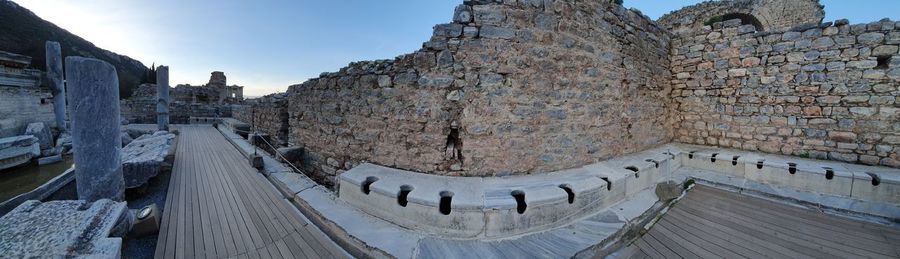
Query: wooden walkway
(219, 207)
(712, 223)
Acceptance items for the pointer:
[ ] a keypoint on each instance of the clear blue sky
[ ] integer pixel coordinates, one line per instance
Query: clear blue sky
(268, 45)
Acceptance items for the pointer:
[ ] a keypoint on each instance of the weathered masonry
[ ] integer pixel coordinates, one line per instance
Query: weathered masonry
(524, 87)
(504, 89)
(214, 99)
(22, 98)
(826, 91)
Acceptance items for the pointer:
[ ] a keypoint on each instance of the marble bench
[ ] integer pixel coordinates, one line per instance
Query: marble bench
(491, 207)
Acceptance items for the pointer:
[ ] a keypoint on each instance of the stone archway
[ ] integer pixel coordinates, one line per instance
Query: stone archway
(745, 19)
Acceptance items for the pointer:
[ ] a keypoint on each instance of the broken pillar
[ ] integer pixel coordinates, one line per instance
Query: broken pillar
(57, 87)
(94, 104)
(162, 102)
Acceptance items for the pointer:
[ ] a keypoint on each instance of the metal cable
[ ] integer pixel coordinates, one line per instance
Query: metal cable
(274, 150)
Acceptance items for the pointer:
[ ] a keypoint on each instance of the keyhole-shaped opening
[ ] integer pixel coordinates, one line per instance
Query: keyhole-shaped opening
(635, 170)
(520, 201)
(713, 157)
(569, 191)
(876, 180)
(792, 168)
(402, 197)
(368, 183)
(446, 198)
(759, 164)
(655, 163)
(829, 173)
(734, 160)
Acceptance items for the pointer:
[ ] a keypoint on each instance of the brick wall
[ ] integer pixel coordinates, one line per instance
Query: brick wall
(827, 92)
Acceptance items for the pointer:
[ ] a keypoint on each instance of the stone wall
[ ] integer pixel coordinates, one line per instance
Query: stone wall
(141, 106)
(20, 106)
(271, 116)
(827, 92)
(769, 15)
(507, 88)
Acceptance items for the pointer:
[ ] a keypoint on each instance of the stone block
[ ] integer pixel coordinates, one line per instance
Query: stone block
(50, 160)
(145, 158)
(876, 184)
(494, 32)
(870, 38)
(42, 133)
(18, 150)
(885, 50)
(58, 229)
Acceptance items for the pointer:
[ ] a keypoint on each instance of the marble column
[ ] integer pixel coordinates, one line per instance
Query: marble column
(57, 87)
(162, 97)
(94, 104)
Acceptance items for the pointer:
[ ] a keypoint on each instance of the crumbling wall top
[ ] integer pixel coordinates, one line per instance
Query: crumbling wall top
(766, 15)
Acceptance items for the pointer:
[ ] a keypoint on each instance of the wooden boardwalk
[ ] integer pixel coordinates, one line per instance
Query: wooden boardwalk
(712, 223)
(219, 207)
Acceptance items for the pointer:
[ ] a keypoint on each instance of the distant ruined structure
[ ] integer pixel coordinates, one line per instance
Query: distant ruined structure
(541, 86)
(214, 99)
(23, 98)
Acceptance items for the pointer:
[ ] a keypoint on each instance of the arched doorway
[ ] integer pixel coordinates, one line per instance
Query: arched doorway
(745, 19)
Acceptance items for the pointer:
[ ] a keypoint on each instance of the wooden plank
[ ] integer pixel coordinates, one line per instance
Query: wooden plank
(714, 246)
(672, 245)
(273, 251)
(648, 250)
(188, 225)
(255, 240)
(166, 242)
(812, 217)
(259, 215)
(697, 248)
(758, 233)
(789, 235)
(285, 251)
(659, 247)
(264, 253)
(221, 207)
(221, 216)
(835, 234)
(198, 190)
(297, 248)
(831, 239)
(743, 246)
(241, 236)
(779, 251)
(208, 206)
(324, 242)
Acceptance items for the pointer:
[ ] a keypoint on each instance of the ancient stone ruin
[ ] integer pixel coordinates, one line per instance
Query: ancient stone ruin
(534, 87)
(520, 117)
(529, 128)
(215, 99)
